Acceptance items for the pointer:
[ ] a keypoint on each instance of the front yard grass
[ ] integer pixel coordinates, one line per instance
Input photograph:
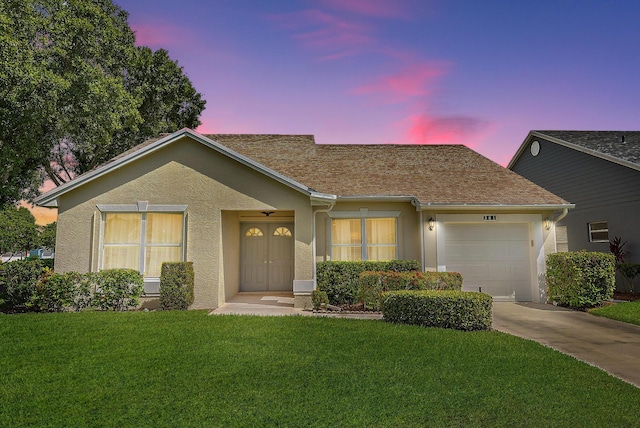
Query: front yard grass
(185, 368)
(627, 312)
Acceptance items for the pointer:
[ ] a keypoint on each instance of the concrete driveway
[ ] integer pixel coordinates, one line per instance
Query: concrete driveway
(610, 345)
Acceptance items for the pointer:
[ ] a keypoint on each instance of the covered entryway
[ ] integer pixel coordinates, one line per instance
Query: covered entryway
(495, 257)
(266, 257)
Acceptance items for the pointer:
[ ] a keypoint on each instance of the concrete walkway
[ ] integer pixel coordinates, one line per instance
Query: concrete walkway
(260, 304)
(274, 304)
(610, 345)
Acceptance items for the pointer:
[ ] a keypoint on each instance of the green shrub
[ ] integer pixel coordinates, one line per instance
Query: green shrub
(117, 289)
(176, 285)
(60, 292)
(340, 279)
(18, 281)
(459, 310)
(47, 263)
(319, 299)
(54, 292)
(581, 279)
(629, 272)
(373, 284)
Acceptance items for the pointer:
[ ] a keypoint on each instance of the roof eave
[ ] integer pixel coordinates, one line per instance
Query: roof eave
(493, 207)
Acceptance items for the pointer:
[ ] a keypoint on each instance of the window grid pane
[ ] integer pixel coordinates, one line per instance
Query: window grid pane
(381, 231)
(599, 232)
(347, 253)
(121, 257)
(155, 256)
(381, 253)
(122, 229)
(346, 231)
(163, 228)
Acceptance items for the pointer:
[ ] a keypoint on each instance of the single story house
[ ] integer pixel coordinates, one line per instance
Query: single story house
(255, 213)
(598, 171)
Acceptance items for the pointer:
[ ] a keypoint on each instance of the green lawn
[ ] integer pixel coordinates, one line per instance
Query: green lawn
(190, 369)
(627, 312)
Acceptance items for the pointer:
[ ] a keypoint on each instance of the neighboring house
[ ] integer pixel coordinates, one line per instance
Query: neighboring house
(254, 213)
(599, 172)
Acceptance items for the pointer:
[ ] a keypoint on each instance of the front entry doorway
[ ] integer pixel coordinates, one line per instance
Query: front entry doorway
(266, 256)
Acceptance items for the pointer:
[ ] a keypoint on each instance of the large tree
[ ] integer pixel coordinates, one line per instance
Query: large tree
(18, 230)
(76, 91)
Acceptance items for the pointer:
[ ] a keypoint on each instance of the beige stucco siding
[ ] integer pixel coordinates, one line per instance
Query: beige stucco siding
(212, 186)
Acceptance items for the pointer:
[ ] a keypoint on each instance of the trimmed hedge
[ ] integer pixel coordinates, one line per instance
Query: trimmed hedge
(340, 279)
(372, 285)
(459, 310)
(176, 285)
(117, 289)
(319, 299)
(580, 279)
(26, 286)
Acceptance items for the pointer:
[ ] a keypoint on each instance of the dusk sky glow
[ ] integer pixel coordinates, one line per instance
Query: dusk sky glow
(479, 73)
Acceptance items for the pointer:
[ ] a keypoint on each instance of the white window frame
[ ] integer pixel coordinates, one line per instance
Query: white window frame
(592, 231)
(362, 215)
(152, 284)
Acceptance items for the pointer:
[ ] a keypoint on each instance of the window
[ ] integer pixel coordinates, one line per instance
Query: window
(142, 241)
(254, 232)
(363, 239)
(562, 242)
(598, 232)
(282, 231)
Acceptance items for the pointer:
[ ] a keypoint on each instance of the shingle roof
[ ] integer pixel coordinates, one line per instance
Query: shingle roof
(434, 174)
(608, 143)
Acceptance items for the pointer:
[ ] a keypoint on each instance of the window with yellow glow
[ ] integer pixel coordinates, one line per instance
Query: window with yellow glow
(363, 239)
(142, 241)
(254, 231)
(282, 231)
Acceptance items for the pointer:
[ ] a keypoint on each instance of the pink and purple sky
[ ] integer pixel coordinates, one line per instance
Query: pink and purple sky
(479, 73)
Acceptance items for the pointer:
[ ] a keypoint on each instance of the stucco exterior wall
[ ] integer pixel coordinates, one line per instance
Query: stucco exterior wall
(211, 185)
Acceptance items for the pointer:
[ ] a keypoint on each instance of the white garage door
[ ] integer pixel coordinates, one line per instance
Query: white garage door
(495, 257)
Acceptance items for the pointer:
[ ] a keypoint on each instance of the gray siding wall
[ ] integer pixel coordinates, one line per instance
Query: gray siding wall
(601, 191)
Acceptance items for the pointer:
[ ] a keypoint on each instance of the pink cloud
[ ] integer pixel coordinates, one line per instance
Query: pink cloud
(334, 36)
(375, 8)
(425, 129)
(207, 126)
(160, 35)
(414, 81)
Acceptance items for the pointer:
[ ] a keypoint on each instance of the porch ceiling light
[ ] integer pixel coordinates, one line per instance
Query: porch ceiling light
(432, 223)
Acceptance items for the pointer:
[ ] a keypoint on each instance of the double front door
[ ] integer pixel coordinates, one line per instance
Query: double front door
(266, 256)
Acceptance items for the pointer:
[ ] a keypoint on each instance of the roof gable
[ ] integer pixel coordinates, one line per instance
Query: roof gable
(621, 147)
(152, 145)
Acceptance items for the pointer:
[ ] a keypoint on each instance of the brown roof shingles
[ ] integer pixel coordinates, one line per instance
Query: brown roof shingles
(436, 174)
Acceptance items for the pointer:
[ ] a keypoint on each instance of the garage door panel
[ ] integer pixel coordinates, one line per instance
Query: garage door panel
(495, 257)
(487, 232)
